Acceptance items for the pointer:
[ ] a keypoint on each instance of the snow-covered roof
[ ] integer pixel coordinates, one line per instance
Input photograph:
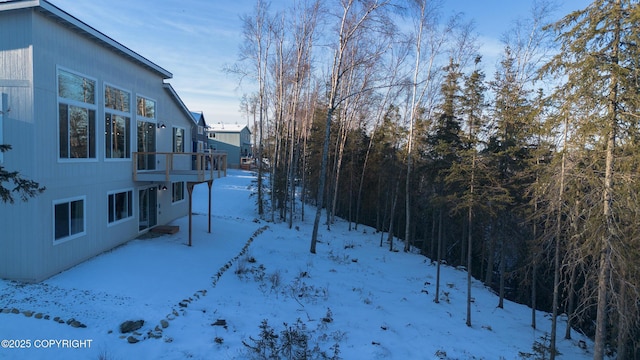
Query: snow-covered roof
(77, 25)
(221, 127)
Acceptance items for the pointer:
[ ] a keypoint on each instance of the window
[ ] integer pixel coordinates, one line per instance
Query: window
(177, 191)
(146, 107)
(116, 132)
(117, 99)
(76, 116)
(146, 112)
(178, 139)
(200, 129)
(68, 219)
(117, 123)
(146, 145)
(120, 206)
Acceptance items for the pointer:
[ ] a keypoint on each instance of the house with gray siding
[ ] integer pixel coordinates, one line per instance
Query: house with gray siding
(97, 125)
(233, 139)
(198, 132)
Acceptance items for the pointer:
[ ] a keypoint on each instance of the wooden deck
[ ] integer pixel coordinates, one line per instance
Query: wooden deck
(175, 167)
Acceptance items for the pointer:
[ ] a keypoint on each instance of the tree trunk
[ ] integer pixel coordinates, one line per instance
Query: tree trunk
(432, 247)
(607, 199)
(502, 272)
(469, 257)
(570, 304)
(490, 256)
(469, 233)
(392, 216)
(321, 181)
(622, 326)
(556, 256)
(437, 297)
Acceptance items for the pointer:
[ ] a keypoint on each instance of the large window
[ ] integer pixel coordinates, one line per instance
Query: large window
(69, 218)
(117, 143)
(120, 206)
(177, 191)
(178, 139)
(146, 115)
(76, 116)
(117, 126)
(146, 145)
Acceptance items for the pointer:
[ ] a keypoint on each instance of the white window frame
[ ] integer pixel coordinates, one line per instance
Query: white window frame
(184, 138)
(132, 124)
(154, 119)
(71, 102)
(84, 219)
(133, 206)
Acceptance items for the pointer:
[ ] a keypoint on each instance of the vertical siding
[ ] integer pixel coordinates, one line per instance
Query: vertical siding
(19, 230)
(29, 59)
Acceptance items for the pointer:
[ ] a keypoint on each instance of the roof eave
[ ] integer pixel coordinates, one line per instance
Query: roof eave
(179, 101)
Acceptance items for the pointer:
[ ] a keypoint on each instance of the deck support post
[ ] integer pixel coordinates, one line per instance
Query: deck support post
(190, 191)
(210, 183)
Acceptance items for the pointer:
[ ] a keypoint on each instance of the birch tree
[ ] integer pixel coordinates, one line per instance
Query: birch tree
(255, 51)
(355, 18)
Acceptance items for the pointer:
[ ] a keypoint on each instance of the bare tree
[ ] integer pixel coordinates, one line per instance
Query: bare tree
(255, 51)
(354, 19)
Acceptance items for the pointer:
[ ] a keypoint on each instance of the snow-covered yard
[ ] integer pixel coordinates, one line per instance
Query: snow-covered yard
(202, 302)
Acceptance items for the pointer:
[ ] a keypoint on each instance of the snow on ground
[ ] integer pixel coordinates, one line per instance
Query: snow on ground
(204, 301)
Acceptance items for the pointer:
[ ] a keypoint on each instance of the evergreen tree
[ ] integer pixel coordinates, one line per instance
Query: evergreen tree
(598, 57)
(465, 173)
(22, 187)
(446, 145)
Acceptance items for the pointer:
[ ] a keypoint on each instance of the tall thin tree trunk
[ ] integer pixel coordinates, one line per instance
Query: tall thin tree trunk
(392, 216)
(432, 247)
(439, 256)
(607, 199)
(622, 326)
(469, 234)
(570, 304)
(342, 139)
(321, 182)
(502, 272)
(293, 160)
(490, 255)
(556, 256)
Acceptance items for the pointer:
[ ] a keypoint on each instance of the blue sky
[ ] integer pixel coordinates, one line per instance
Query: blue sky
(195, 39)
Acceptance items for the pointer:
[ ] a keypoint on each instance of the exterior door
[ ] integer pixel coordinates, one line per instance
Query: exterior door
(148, 208)
(146, 144)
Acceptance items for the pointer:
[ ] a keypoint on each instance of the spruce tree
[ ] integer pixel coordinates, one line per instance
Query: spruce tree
(22, 187)
(598, 57)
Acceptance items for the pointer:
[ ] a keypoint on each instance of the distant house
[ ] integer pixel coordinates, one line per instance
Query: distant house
(95, 123)
(198, 133)
(234, 139)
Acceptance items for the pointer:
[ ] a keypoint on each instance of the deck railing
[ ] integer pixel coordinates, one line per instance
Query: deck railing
(179, 166)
